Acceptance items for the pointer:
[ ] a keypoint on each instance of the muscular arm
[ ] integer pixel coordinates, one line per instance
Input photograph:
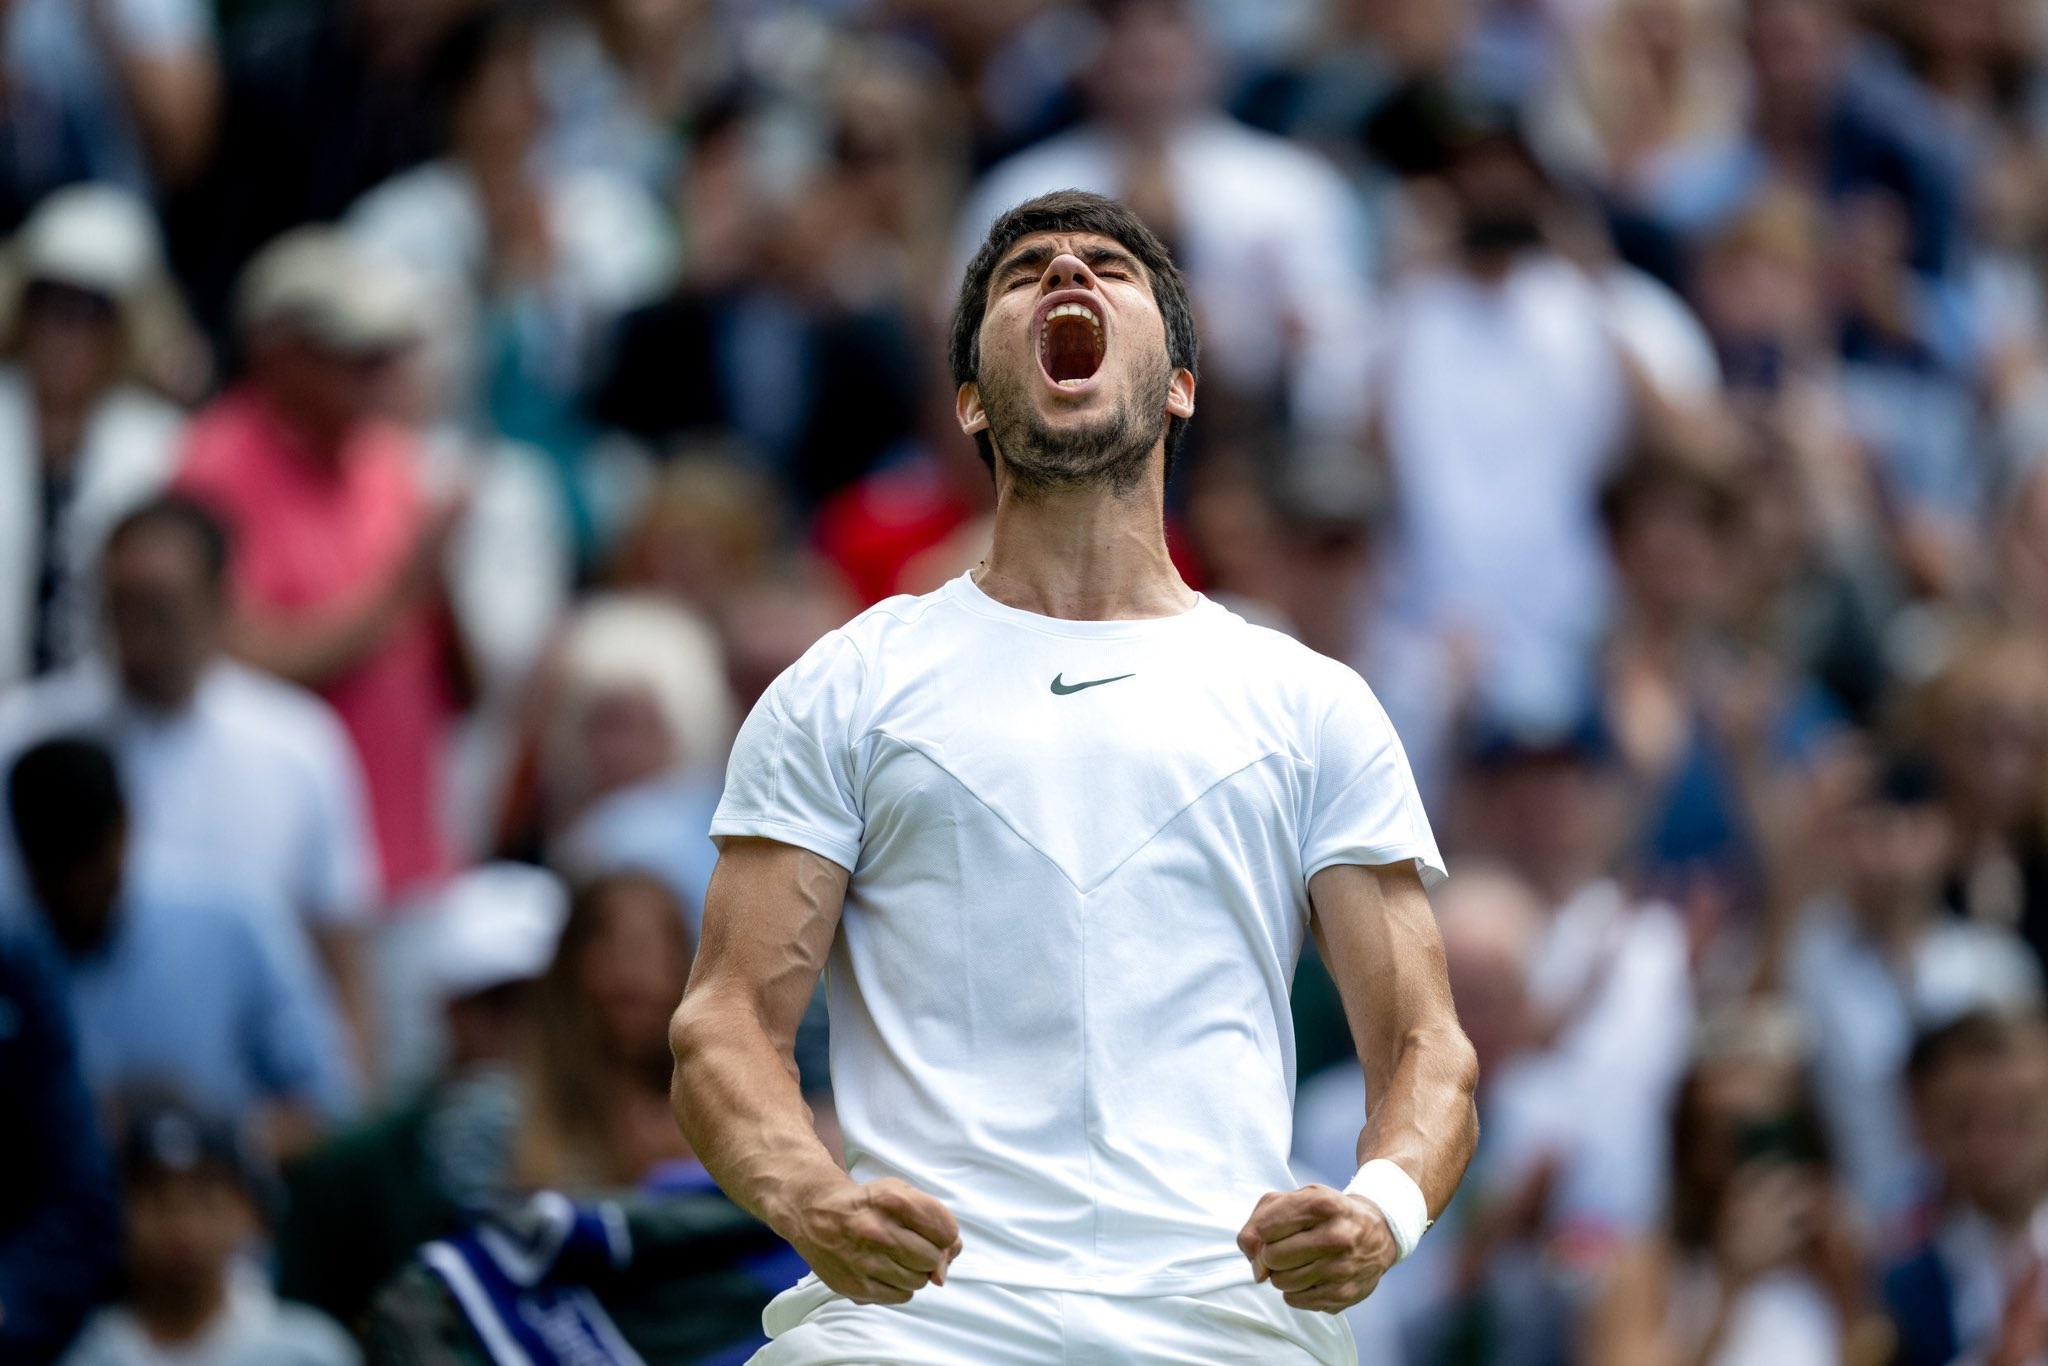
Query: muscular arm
(769, 920)
(1325, 1249)
(1378, 938)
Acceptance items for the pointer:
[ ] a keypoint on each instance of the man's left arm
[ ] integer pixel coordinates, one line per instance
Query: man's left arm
(1327, 1249)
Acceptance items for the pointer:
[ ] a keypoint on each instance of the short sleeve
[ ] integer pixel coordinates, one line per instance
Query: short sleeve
(791, 776)
(1363, 806)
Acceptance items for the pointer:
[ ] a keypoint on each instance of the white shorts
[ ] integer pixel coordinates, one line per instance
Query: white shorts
(975, 1323)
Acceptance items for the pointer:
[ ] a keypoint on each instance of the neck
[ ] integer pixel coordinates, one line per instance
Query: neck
(179, 1317)
(1084, 554)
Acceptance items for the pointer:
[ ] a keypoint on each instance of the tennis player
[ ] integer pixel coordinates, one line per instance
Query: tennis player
(1057, 833)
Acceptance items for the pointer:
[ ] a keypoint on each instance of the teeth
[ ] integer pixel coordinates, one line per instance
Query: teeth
(1076, 311)
(1071, 383)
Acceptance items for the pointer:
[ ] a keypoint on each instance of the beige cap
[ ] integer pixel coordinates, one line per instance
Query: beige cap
(316, 281)
(92, 237)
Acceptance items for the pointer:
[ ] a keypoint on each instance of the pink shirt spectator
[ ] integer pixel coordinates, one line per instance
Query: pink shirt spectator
(311, 538)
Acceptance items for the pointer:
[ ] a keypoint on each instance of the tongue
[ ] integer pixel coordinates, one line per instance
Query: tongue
(1071, 349)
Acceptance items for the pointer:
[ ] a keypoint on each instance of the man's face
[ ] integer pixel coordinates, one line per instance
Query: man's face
(183, 1228)
(1981, 1118)
(164, 616)
(1075, 386)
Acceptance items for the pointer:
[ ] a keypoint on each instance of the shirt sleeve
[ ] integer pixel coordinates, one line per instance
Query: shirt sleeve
(791, 776)
(293, 1030)
(1363, 806)
(339, 873)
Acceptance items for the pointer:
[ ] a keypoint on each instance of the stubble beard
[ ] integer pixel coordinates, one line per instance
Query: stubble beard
(1114, 452)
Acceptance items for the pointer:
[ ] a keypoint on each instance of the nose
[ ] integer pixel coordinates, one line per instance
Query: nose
(1066, 271)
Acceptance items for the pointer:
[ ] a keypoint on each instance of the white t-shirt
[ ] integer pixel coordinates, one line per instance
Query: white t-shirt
(255, 783)
(1080, 853)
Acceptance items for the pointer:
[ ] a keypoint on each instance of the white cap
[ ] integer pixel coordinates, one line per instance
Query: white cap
(319, 282)
(92, 237)
(494, 925)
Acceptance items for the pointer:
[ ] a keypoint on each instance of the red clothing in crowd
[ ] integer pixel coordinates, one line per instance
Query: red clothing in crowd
(312, 538)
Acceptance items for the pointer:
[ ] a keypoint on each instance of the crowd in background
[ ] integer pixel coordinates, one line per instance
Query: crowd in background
(426, 427)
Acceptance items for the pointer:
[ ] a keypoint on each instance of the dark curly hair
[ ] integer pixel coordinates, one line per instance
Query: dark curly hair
(1074, 211)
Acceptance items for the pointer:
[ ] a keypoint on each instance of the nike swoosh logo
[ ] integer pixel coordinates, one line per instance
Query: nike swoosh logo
(1060, 689)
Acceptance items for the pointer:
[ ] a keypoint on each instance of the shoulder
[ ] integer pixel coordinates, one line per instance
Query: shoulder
(303, 1336)
(273, 711)
(1306, 679)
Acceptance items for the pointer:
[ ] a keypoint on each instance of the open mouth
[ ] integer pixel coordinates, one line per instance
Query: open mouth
(1070, 346)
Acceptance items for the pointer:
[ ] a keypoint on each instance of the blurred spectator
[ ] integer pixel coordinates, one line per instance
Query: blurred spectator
(359, 1204)
(1648, 81)
(596, 1112)
(1823, 118)
(338, 569)
(321, 102)
(1501, 398)
(195, 1207)
(1716, 732)
(1874, 962)
(786, 331)
(622, 78)
(87, 311)
(1266, 232)
(1760, 1260)
(1611, 972)
(171, 983)
(1490, 1287)
(225, 768)
(59, 1216)
(1973, 1291)
(707, 525)
(124, 91)
(526, 266)
(639, 719)
(1984, 718)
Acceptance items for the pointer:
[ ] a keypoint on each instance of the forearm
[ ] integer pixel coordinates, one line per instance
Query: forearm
(1427, 1119)
(737, 1099)
(313, 653)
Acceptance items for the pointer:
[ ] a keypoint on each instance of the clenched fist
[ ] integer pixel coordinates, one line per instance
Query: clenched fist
(877, 1243)
(1323, 1249)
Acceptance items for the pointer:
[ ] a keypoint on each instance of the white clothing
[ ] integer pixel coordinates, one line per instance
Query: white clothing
(126, 456)
(1621, 973)
(1502, 406)
(1783, 1318)
(1865, 1011)
(1269, 237)
(1080, 854)
(977, 1322)
(255, 782)
(256, 1329)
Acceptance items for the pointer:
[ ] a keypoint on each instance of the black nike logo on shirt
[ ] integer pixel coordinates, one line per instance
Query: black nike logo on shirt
(1060, 689)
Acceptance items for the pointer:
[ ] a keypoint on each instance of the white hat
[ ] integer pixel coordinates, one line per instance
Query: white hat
(494, 925)
(319, 282)
(92, 237)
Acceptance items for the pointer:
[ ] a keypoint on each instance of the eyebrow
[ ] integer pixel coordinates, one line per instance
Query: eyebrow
(1039, 256)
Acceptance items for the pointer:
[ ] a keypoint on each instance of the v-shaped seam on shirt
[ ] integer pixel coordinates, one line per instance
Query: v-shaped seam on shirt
(1035, 847)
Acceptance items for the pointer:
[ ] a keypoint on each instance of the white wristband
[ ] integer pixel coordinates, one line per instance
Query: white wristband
(1398, 1198)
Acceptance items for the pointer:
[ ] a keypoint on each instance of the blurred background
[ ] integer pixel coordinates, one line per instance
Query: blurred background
(426, 426)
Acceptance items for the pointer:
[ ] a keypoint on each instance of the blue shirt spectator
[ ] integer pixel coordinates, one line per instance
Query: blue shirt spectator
(59, 1219)
(173, 982)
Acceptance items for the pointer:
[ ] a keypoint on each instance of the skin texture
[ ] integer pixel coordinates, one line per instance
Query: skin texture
(1079, 534)
(1323, 1248)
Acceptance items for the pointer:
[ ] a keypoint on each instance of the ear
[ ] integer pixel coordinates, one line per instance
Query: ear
(1180, 394)
(967, 407)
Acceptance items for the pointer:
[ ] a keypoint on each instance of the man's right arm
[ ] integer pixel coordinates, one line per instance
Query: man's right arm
(769, 921)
